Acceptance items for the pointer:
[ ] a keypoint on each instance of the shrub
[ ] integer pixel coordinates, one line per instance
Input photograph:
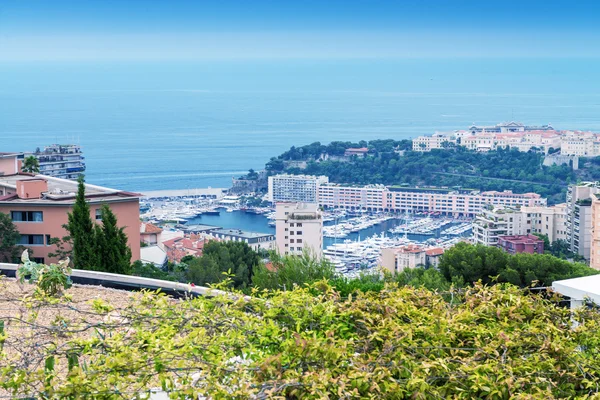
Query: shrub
(50, 279)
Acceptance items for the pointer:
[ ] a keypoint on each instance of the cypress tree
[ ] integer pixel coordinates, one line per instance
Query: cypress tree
(81, 230)
(112, 242)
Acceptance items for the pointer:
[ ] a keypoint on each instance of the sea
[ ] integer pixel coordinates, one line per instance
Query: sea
(159, 126)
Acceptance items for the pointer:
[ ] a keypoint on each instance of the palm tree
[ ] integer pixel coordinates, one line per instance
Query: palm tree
(31, 165)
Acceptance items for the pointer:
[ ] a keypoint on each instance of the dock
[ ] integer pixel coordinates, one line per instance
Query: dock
(218, 192)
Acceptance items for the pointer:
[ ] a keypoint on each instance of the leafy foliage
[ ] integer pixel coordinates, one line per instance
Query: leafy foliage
(494, 343)
(287, 272)
(50, 279)
(471, 263)
(146, 270)
(236, 258)
(9, 239)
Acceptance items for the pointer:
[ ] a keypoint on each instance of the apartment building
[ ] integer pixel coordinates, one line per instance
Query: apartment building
(494, 222)
(396, 259)
(521, 244)
(446, 201)
(295, 188)
(38, 206)
(435, 141)
(298, 229)
(579, 217)
(60, 160)
(255, 240)
(595, 239)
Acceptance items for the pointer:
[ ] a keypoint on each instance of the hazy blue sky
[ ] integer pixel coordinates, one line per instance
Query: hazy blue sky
(170, 30)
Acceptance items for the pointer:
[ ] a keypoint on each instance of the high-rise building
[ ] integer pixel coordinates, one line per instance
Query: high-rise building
(298, 229)
(579, 217)
(595, 241)
(295, 188)
(60, 160)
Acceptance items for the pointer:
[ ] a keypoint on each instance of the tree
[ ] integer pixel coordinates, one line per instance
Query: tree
(288, 272)
(221, 258)
(9, 239)
(81, 231)
(111, 243)
(31, 165)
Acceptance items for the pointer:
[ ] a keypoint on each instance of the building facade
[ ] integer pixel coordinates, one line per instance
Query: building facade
(39, 206)
(454, 202)
(255, 240)
(60, 161)
(579, 217)
(521, 244)
(595, 240)
(295, 188)
(494, 222)
(299, 229)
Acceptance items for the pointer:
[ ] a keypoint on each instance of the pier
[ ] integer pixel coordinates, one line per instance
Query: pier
(218, 192)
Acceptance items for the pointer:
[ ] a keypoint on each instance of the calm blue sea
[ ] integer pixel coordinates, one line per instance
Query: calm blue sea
(161, 126)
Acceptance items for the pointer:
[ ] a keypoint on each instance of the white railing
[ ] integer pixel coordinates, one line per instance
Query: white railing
(135, 282)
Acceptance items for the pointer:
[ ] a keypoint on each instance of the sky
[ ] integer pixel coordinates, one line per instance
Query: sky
(71, 31)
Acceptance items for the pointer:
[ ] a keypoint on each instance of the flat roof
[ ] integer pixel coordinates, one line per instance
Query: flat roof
(62, 191)
(200, 228)
(241, 234)
(580, 288)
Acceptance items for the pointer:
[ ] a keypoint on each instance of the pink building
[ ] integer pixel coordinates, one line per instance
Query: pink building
(521, 244)
(38, 206)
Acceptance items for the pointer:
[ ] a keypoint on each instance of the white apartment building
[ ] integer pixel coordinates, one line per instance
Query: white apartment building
(60, 161)
(435, 141)
(454, 202)
(579, 217)
(499, 221)
(367, 197)
(508, 221)
(295, 188)
(298, 229)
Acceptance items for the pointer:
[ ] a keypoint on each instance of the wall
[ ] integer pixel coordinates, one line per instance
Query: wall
(8, 166)
(55, 216)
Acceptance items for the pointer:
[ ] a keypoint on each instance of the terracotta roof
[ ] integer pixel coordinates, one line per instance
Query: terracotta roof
(436, 251)
(149, 228)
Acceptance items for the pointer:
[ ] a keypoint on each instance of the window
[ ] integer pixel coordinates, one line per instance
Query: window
(27, 216)
(98, 215)
(286, 229)
(291, 240)
(286, 237)
(291, 224)
(299, 241)
(299, 233)
(38, 260)
(32, 240)
(299, 225)
(292, 232)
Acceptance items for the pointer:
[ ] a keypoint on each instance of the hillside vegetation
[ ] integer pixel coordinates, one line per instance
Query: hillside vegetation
(496, 170)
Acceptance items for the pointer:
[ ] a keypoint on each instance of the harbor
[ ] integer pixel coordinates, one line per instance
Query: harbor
(352, 241)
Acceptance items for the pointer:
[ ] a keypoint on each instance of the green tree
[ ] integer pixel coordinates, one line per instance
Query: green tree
(82, 233)
(221, 258)
(31, 165)
(111, 244)
(10, 237)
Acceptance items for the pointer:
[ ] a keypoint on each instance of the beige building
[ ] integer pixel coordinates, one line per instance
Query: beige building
(595, 240)
(455, 202)
(396, 259)
(298, 229)
(493, 222)
(435, 141)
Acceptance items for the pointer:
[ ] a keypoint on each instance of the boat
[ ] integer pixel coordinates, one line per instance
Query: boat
(229, 210)
(212, 212)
